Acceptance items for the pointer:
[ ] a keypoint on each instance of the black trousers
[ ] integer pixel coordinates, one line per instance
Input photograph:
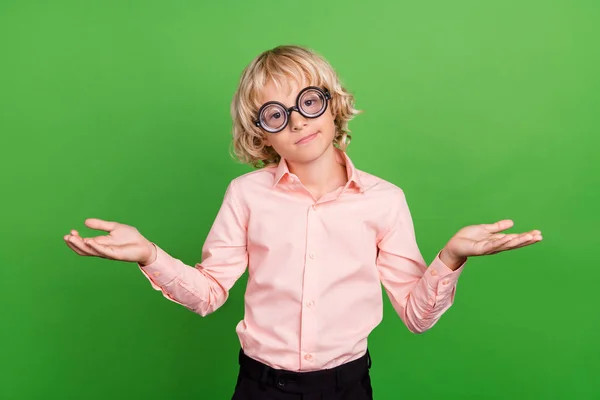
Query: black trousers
(257, 381)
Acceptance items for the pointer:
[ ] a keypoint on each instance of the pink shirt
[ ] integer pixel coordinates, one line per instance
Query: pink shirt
(316, 267)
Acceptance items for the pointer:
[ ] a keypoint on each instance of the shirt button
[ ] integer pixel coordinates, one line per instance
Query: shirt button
(310, 303)
(433, 272)
(314, 206)
(156, 273)
(312, 255)
(446, 282)
(308, 357)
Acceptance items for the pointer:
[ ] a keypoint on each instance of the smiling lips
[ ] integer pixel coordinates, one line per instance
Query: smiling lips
(306, 139)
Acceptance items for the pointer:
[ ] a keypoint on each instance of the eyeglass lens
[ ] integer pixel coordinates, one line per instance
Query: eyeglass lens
(311, 103)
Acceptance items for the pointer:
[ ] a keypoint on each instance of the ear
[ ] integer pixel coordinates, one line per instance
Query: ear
(267, 141)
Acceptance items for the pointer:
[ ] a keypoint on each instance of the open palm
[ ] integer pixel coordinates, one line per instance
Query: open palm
(483, 239)
(123, 242)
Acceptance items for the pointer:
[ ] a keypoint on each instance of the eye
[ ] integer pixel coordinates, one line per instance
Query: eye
(308, 103)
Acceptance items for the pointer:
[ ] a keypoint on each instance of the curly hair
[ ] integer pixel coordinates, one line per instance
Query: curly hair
(278, 65)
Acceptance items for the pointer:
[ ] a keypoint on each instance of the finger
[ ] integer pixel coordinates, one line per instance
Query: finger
(100, 224)
(532, 233)
(102, 250)
(494, 246)
(527, 243)
(106, 240)
(499, 225)
(496, 236)
(535, 239)
(73, 247)
(505, 238)
(86, 247)
(83, 249)
(519, 241)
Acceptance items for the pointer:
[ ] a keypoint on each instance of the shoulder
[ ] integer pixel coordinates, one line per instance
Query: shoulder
(252, 185)
(377, 186)
(262, 177)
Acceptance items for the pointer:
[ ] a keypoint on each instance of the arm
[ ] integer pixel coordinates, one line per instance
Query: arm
(205, 287)
(419, 294)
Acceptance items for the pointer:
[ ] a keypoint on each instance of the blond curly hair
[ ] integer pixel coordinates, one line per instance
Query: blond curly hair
(278, 65)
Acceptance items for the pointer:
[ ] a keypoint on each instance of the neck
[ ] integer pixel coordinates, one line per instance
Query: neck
(321, 175)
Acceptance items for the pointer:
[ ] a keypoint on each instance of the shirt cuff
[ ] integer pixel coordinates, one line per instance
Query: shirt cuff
(440, 277)
(162, 270)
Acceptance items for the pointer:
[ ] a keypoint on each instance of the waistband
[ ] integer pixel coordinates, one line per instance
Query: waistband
(305, 382)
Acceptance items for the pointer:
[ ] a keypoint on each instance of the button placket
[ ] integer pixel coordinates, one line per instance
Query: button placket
(309, 324)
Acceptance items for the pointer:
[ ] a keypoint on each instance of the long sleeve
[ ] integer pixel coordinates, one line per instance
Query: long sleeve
(205, 287)
(419, 294)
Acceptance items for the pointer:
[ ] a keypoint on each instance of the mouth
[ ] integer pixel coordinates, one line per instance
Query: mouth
(307, 138)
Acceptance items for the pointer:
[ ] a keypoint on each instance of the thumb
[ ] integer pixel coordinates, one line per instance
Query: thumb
(102, 225)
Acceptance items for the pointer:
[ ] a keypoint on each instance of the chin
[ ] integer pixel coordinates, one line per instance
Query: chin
(308, 154)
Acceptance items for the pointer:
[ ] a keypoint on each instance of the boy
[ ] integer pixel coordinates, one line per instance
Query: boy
(319, 237)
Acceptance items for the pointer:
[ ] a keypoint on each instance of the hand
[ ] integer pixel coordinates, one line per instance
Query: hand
(483, 239)
(123, 243)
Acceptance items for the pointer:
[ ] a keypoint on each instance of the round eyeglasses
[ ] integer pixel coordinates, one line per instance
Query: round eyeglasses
(311, 102)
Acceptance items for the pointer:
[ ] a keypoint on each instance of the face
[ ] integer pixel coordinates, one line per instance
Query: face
(304, 139)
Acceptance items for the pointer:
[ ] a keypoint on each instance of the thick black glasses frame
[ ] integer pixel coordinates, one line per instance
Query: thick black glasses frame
(288, 110)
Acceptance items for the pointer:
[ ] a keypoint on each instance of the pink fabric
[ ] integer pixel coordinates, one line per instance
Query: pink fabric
(316, 267)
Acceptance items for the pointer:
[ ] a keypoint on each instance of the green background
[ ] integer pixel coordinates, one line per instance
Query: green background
(120, 110)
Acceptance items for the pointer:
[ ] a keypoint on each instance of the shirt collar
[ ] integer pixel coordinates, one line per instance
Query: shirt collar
(282, 170)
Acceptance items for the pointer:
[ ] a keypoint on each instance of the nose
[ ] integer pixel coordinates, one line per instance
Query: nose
(297, 121)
